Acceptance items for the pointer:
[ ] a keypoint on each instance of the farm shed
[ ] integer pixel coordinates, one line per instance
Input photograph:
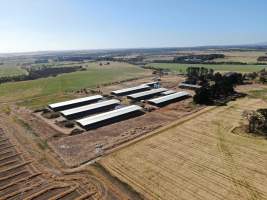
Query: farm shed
(168, 92)
(86, 110)
(189, 86)
(110, 117)
(161, 101)
(74, 103)
(154, 84)
(146, 94)
(130, 90)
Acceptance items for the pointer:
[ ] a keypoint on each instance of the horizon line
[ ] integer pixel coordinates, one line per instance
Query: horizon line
(129, 48)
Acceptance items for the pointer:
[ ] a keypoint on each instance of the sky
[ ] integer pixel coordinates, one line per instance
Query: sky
(39, 25)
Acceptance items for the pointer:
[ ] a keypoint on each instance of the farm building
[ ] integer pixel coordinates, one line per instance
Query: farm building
(168, 92)
(189, 86)
(131, 90)
(146, 94)
(164, 100)
(86, 110)
(74, 103)
(154, 84)
(113, 116)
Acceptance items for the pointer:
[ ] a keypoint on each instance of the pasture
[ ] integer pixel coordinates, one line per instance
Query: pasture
(198, 158)
(181, 68)
(11, 70)
(37, 93)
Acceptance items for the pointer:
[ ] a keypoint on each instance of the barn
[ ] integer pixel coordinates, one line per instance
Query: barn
(147, 94)
(90, 109)
(164, 100)
(110, 117)
(74, 103)
(131, 90)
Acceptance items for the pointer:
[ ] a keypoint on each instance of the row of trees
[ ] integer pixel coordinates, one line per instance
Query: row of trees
(199, 75)
(262, 59)
(40, 73)
(197, 58)
(260, 76)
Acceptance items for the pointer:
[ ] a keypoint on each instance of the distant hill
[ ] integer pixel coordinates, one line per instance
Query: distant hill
(261, 44)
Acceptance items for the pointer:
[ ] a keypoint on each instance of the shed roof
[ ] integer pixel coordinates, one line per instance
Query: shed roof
(168, 92)
(190, 85)
(89, 107)
(169, 97)
(126, 90)
(147, 93)
(108, 115)
(75, 101)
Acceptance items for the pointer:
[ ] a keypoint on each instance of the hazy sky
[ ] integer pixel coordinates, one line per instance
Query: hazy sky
(30, 25)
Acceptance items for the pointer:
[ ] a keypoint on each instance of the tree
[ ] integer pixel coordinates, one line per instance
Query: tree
(198, 74)
(256, 120)
(203, 95)
(252, 75)
(262, 79)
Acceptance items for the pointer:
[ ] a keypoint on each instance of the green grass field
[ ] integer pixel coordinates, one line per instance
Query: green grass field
(222, 68)
(37, 93)
(7, 70)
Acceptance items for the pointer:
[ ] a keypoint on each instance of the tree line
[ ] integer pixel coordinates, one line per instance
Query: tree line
(40, 73)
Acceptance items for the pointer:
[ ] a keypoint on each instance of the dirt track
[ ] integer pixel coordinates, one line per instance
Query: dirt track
(199, 159)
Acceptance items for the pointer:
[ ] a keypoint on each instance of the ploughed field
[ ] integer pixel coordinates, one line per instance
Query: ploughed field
(198, 158)
(20, 179)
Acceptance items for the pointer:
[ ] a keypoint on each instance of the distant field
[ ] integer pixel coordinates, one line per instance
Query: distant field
(241, 56)
(223, 68)
(248, 57)
(200, 158)
(39, 92)
(14, 69)
(10, 70)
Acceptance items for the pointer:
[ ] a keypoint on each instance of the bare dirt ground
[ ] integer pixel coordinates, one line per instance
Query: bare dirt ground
(198, 157)
(29, 169)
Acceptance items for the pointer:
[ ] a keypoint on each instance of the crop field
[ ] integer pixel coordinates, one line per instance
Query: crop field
(244, 56)
(241, 56)
(37, 93)
(181, 68)
(199, 157)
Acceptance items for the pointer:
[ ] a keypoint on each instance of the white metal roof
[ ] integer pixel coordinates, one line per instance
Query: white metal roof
(125, 90)
(89, 107)
(108, 115)
(146, 93)
(168, 92)
(151, 83)
(74, 101)
(189, 85)
(169, 97)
